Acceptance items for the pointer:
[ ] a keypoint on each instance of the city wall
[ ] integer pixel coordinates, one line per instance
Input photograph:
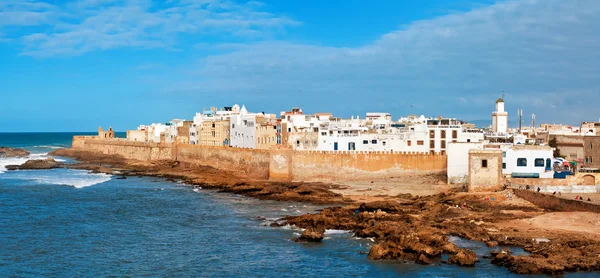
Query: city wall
(275, 164)
(554, 203)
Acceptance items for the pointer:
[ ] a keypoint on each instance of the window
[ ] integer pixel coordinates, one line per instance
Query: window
(314, 142)
(484, 163)
(522, 162)
(503, 154)
(432, 144)
(408, 143)
(443, 134)
(316, 129)
(539, 162)
(432, 134)
(298, 143)
(591, 160)
(213, 125)
(591, 145)
(586, 160)
(548, 164)
(383, 143)
(232, 125)
(374, 142)
(305, 142)
(289, 129)
(351, 146)
(324, 133)
(454, 134)
(420, 143)
(468, 140)
(365, 142)
(443, 144)
(504, 165)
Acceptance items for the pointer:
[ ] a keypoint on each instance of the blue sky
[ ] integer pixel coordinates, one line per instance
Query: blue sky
(75, 65)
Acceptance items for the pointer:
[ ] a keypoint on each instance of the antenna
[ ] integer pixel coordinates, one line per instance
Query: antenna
(520, 119)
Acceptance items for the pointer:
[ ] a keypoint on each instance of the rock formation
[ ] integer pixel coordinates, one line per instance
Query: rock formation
(10, 152)
(36, 164)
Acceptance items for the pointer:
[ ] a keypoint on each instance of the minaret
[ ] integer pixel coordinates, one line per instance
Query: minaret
(500, 118)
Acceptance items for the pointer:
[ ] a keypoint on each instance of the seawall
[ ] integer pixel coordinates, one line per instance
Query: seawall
(554, 203)
(275, 164)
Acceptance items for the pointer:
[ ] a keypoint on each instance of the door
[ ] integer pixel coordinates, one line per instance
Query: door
(351, 146)
(335, 146)
(589, 180)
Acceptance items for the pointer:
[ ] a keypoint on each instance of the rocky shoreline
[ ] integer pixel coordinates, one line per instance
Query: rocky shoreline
(404, 227)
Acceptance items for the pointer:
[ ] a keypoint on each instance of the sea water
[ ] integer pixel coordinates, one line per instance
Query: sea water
(70, 223)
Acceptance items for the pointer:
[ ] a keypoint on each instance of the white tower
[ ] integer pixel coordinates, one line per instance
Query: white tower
(500, 118)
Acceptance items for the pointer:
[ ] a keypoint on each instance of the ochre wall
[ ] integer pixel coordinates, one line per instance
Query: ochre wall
(255, 163)
(131, 150)
(347, 165)
(275, 164)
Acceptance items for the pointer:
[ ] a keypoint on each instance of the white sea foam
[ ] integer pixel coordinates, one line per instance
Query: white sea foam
(48, 147)
(335, 232)
(75, 178)
(20, 160)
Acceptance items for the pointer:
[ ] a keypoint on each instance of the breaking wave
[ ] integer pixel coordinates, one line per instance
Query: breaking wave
(20, 160)
(49, 147)
(75, 178)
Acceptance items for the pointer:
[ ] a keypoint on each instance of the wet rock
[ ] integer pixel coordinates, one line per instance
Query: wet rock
(49, 163)
(423, 260)
(121, 178)
(10, 152)
(464, 258)
(491, 244)
(378, 252)
(312, 235)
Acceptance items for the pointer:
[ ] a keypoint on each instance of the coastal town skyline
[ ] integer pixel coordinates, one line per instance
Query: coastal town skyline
(121, 63)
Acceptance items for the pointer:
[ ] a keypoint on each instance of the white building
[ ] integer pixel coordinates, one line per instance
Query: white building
(171, 130)
(243, 128)
(156, 131)
(519, 161)
(458, 161)
(442, 131)
(500, 118)
(213, 114)
(527, 161)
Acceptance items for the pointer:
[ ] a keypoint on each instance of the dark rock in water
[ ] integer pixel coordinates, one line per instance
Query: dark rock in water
(312, 235)
(10, 152)
(121, 177)
(464, 258)
(423, 260)
(37, 164)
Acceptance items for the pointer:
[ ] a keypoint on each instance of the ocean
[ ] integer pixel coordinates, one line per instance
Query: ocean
(70, 223)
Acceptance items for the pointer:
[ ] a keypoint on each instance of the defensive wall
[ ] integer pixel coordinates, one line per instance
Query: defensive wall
(578, 183)
(554, 203)
(275, 164)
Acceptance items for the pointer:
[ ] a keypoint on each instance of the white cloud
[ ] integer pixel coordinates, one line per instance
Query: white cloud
(543, 54)
(92, 25)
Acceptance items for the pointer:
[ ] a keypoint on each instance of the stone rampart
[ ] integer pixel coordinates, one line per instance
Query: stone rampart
(356, 165)
(554, 203)
(131, 150)
(254, 163)
(275, 164)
